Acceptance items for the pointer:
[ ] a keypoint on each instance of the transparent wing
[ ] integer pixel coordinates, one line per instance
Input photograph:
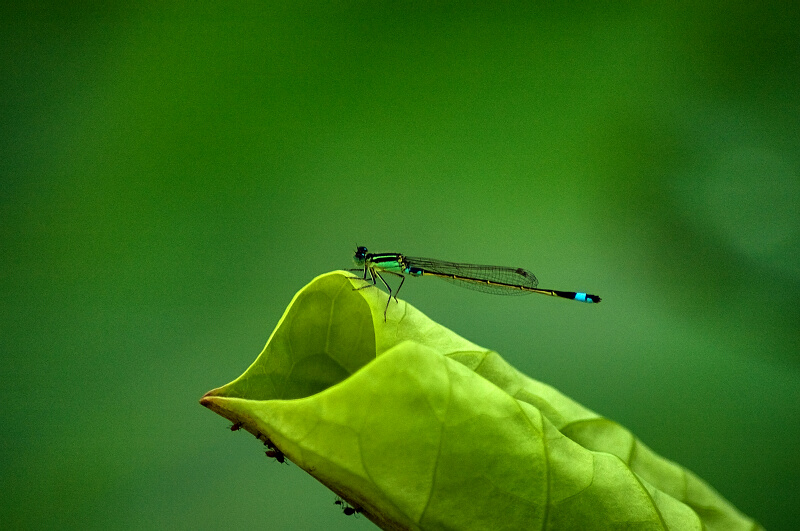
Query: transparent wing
(476, 276)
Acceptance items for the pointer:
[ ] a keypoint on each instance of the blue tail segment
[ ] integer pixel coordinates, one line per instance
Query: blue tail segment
(576, 296)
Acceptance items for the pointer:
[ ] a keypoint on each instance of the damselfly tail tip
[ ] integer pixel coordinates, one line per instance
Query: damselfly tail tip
(593, 298)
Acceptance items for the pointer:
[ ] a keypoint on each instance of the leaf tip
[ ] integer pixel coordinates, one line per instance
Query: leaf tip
(211, 402)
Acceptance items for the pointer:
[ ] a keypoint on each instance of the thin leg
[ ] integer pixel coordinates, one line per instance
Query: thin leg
(370, 284)
(359, 270)
(374, 276)
(390, 294)
(384, 283)
(402, 279)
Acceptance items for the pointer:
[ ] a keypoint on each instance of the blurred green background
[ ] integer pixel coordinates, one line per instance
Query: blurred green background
(173, 174)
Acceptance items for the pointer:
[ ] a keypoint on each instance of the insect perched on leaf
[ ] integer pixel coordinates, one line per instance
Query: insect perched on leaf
(487, 278)
(346, 507)
(236, 426)
(273, 452)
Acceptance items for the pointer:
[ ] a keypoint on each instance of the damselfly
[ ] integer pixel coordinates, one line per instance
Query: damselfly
(487, 278)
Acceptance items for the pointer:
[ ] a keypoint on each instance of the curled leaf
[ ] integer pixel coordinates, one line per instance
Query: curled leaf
(418, 428)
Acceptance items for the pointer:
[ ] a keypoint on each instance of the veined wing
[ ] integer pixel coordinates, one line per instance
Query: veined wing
(486, 278)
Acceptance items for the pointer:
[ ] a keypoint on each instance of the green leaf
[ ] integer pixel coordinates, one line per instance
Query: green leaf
(419, 428)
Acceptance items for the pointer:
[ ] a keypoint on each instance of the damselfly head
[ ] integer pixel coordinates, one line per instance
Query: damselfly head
(361, 255)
